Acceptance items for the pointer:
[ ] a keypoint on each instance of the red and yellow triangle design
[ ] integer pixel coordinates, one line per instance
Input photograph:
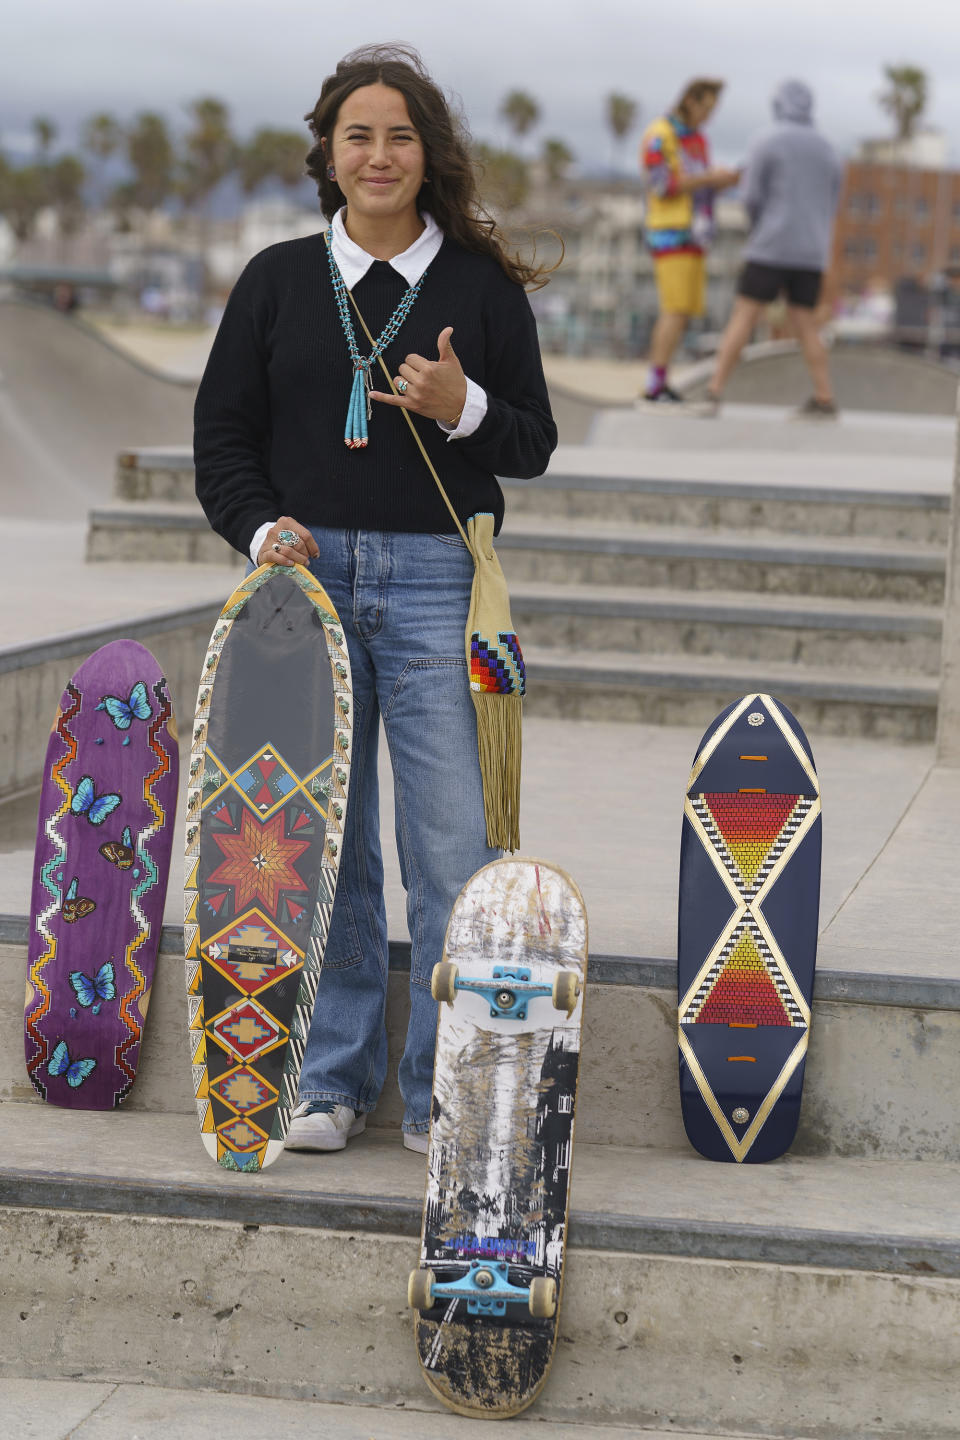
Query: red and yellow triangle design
(743, 993)
(749, 825)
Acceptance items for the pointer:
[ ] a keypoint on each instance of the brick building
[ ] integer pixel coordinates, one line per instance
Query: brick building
(895, 221)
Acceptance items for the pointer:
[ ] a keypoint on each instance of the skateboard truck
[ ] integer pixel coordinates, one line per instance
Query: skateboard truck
(507, 991)
(486, 1289)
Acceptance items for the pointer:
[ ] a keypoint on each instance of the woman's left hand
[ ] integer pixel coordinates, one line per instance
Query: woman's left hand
(434, 388)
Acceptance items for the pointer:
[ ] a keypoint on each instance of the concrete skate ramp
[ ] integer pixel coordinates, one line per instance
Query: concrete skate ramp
(69, 401)
(866, 377)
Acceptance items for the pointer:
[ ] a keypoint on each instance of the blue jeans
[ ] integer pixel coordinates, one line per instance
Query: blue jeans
(402, 600)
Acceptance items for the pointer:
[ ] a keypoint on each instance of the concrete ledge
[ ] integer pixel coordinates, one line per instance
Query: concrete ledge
(694, 673)
(860, 988)
(626, 1200)
(320, 1314)
(921, 560)
(32, 678)
(813, 494)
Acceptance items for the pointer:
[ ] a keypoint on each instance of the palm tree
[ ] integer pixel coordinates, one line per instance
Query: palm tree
(150, 153)
(210, 150)
(558, 158)
(23, 194)
(65, 181)
(520, 111)
(503, 177)
(44, 132)
(906, 97)
(621, 117)
(101, 136)
(272, 155)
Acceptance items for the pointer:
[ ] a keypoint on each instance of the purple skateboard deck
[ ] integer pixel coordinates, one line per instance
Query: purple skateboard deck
(100, 878)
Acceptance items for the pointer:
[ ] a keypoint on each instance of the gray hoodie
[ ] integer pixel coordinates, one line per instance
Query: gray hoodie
(792, 186)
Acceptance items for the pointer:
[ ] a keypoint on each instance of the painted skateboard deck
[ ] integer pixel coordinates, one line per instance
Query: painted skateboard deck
(487, 1293)
(266, 803)
(747, 948)
(100, 878)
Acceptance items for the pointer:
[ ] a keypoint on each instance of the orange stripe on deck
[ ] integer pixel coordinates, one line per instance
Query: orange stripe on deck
(742, 1024)
(747, 790)
(753, 757)
(751, 1058)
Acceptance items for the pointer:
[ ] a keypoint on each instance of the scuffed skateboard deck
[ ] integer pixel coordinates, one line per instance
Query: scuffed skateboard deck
(266, 804)
(100, 878)
(748, 921)
(501, 1138)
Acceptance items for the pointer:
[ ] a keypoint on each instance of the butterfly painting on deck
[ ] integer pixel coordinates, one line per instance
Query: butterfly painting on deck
(75, 905)
(75, 1071)
(119, 852)
(91, 991)
(87, 802)
(124, 712)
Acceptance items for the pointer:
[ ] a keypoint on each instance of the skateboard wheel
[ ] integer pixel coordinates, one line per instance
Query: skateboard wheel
(419, 1289)
(543, 1290)
(566, 991)
(443, 982)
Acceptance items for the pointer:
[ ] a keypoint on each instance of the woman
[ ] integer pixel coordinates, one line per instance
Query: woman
(286, 441)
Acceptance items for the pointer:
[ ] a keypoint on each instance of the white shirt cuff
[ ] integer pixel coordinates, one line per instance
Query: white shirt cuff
(474, 409)
(256, 544)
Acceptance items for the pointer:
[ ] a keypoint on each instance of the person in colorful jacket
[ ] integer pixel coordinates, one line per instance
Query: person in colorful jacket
(681, 184)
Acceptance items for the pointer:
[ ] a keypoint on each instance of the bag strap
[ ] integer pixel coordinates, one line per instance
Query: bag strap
(413, 429)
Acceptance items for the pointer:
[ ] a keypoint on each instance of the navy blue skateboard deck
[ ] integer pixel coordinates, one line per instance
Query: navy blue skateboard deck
(748, 921)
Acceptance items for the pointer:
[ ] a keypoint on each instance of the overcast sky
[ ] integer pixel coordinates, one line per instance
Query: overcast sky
(266, 59)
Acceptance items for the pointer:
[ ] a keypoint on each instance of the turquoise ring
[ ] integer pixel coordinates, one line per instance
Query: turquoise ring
(289, 537)
(401, 386)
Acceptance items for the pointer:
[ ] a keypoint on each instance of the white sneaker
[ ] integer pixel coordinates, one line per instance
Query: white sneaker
(416, 1140)
(321, 1125)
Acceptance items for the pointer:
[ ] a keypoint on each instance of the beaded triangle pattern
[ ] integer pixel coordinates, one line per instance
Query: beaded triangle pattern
(267, 832)
(746, 981)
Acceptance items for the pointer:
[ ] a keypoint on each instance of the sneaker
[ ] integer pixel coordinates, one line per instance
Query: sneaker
(708, 408)
(816, 409)
(418, 1140)
(321, 1125)
(663, 396)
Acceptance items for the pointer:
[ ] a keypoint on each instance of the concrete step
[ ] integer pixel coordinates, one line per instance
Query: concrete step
(808, 506)
(688, 560)
(677, 689)
(855, 1103)
(820, 631)
(85, 1410)
(291, 1283)
(32, 677)
(787, 493)
(153, 532)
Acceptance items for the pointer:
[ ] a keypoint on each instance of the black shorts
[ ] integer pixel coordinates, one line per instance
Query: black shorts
(766, 282)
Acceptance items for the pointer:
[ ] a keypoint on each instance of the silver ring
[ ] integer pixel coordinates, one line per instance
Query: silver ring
(289, 537)
(276, 547)
(401, 386)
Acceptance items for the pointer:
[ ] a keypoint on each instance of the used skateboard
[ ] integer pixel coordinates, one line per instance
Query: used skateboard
(100, 878)
(487, 1292)
(749, 910)
(266, 801)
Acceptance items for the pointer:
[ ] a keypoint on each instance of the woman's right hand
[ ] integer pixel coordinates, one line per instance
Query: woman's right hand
(275, 551)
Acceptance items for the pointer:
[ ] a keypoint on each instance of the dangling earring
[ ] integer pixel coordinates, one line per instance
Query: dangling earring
(331, 173)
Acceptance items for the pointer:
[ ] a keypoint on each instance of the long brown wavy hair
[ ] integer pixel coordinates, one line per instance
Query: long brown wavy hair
(449, 192)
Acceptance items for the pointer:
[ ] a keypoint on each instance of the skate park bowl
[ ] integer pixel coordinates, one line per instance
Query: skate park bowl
(865, 377)
(69, 402)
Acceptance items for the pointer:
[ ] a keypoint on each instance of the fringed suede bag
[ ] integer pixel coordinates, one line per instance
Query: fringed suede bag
(494, 663)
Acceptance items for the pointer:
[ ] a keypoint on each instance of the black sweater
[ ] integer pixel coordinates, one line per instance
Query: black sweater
(271, 408)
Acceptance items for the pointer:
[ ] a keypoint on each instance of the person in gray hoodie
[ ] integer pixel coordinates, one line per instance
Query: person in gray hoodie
(791, 191)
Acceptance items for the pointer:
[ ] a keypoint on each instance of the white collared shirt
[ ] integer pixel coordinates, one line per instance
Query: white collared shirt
(353, 263)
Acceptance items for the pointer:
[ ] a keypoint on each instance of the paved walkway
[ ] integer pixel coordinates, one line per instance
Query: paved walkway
(91, 1410)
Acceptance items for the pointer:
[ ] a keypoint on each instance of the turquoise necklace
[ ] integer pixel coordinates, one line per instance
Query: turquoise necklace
(359, 408)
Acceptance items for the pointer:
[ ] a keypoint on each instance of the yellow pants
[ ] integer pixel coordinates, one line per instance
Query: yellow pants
(681, 284)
